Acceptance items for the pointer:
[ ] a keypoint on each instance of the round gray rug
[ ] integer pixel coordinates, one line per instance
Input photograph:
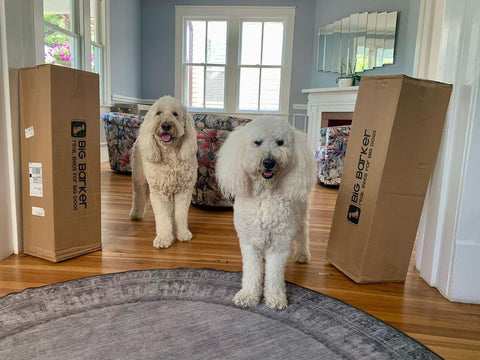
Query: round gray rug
(188, 314)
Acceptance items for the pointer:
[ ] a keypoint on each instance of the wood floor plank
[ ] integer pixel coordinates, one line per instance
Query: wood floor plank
(450, 329)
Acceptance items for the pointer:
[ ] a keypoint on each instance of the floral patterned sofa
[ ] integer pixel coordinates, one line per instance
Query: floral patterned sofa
(330, 153)
(212, 130)
(121, 132)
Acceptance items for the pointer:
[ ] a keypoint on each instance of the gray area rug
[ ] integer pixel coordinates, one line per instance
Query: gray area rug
(188, 314)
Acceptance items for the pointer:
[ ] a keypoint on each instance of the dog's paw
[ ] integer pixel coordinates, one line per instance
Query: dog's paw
(163, 241)
(302, 256)
(245, 298)
(184, 235)
(136, 214)
(276, 301)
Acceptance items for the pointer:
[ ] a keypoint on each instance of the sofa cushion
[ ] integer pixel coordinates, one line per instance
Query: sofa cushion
(218, 121)
(212, 131)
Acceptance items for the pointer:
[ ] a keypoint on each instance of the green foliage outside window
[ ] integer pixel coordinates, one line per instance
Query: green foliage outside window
(58, 46)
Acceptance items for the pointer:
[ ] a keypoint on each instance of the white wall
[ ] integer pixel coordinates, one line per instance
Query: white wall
(23, 48)
(6, 244)
(449, 234)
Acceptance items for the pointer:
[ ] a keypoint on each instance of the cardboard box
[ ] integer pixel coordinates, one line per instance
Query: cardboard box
(60, 150)
(392, 149)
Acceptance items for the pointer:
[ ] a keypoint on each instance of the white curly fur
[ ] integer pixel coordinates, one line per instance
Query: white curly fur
(268, 213)
(165, 168)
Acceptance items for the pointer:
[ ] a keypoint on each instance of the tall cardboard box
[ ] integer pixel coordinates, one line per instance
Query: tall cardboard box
(60, 151)
(396, 130)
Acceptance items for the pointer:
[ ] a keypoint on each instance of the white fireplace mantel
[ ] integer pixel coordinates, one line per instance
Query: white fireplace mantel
(341, 99)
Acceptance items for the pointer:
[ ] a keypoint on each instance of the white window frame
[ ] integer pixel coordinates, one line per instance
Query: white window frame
(82, 33)
(234, 15)
(204, 64)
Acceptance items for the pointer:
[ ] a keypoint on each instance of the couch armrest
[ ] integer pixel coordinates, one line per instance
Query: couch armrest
(330, 154)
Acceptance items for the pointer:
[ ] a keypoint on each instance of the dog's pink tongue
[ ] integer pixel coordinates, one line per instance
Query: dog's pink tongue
(268, 173)
(166, 137)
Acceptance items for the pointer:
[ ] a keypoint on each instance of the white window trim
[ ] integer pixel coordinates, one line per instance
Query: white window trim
(234, 14)
(83, 6)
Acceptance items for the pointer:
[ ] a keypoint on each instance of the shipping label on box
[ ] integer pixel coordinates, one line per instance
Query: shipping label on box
(36, 179)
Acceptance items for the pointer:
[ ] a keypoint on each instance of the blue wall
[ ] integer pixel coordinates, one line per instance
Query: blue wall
(143, 41)
(328, 11)
(125, 46)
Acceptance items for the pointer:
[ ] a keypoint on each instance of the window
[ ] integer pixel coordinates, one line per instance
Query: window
(74, 40)
(61, 33)
(260, 65)
(205, 60)
(234, 59)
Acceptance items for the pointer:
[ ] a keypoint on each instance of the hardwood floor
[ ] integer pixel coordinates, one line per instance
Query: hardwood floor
(450, 329)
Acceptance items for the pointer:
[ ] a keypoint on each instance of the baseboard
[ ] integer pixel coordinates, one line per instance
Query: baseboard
(104, 109)
(463, 286)
(132, 100)
(103, 152)
(302, 107)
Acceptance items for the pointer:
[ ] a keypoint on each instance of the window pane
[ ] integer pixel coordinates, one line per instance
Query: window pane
(59, 12)
(216, 42)
(251, 43)
(94, 20)
(272, 43)
(59, 48)
(270, 89)
(214, 87)
(195, 41)
(194, 89)
(96, 59)
(249, 78)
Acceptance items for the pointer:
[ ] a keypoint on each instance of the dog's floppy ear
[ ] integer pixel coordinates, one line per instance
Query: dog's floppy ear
(146, 142)
(298, 182)
(189, 142)
(231, 177)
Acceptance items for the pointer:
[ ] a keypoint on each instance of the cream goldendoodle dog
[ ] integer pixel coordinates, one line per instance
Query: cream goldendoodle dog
(165, 167)
(269, 170)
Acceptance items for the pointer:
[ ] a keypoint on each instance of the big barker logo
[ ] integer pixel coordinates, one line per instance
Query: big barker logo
(79, 128)
(353, 214)
(362, 167)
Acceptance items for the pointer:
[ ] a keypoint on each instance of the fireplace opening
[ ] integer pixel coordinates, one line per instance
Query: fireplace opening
(336, 119)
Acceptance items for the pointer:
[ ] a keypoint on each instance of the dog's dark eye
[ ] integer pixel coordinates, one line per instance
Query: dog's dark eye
(279, 142)
(175, 113)
(159, 112)
(258, 142)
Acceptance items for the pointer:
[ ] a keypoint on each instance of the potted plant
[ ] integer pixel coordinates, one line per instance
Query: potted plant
(348, 76)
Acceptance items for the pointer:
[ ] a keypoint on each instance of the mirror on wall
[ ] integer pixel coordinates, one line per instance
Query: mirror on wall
(359, 42)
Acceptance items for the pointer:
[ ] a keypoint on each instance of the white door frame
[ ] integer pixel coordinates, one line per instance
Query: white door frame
(11, 242)
(447, 250)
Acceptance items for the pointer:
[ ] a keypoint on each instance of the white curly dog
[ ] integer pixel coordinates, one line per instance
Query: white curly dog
(165, 168)
(269, 170)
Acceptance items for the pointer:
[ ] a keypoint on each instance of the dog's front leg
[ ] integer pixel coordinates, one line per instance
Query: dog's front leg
(274, 290)
(140, 187)
(139, 199)
(182, 203)
(162, 206)
(302, 245)
(251, 290)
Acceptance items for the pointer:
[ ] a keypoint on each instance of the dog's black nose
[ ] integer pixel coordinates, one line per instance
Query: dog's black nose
(166, 127)
(269, 163)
